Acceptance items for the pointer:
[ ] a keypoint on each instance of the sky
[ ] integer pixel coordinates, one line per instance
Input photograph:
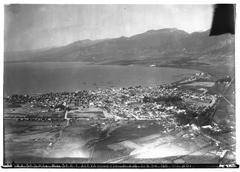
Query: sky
(28, 27)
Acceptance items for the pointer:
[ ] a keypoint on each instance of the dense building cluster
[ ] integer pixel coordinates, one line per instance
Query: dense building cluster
(181, 111)
(165, 103)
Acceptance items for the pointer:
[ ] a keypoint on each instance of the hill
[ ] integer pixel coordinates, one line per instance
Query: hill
(164, 47)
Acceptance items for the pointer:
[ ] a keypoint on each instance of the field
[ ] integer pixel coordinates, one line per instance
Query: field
(103, 139)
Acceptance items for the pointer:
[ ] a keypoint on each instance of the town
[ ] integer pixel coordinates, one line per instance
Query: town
(181, 107)
(133, 103)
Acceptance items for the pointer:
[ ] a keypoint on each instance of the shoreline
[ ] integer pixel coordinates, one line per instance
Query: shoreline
(206, 68)
(114, 85)
(182, 118)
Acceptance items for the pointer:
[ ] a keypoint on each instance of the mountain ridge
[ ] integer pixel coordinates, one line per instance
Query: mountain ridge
(164, 45)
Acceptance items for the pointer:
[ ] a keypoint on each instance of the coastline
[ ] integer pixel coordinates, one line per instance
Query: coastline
(108, 127)
(78, 76)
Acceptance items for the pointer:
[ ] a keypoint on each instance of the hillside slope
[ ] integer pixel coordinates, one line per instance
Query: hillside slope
(164, 47)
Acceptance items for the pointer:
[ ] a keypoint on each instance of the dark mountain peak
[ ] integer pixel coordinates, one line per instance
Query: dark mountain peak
(81, 42)
(122, 38)
(165, 30)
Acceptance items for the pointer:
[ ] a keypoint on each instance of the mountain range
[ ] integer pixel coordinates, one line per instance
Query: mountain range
(168, 46)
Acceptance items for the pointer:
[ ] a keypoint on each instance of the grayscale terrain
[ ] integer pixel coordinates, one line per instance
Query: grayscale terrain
(163, 96)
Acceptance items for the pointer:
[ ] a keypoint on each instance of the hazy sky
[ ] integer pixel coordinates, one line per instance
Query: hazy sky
(39, 26)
